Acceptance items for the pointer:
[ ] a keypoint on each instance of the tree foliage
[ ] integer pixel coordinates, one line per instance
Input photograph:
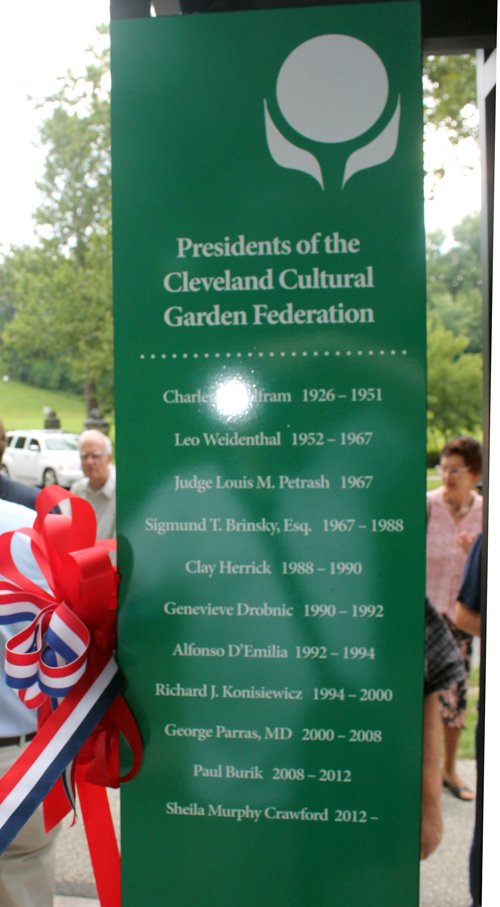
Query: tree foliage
(454, 332)
(454, 281)
(453, 384)
(56, 297)
(449, 84)
(64, 316)
(40, 366)
(450, 95)
(76, 184)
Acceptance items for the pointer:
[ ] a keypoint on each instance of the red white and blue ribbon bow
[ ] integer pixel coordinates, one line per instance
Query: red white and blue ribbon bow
(62, 664)
(49, 656)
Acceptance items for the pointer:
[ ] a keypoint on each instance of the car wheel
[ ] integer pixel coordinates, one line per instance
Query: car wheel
(4, 470)
(49, 478)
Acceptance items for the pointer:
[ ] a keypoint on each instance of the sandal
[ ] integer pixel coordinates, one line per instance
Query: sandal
(458, 790)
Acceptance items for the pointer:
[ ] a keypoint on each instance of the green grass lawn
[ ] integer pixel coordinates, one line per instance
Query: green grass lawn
(433, 479)
(467, 745)
(21, 406)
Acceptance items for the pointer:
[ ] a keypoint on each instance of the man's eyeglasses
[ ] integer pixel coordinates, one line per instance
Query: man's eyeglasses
(91, 456)
(451, 470)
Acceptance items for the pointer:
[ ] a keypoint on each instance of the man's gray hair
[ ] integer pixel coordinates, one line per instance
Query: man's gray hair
(92, 432)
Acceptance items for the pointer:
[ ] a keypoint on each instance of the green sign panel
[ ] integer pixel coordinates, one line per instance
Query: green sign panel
(270, 372)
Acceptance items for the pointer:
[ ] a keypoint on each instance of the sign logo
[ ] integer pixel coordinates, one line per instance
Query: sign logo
(332, 89)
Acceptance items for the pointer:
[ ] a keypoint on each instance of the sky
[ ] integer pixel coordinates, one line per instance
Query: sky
(39, 41)
(459, 191)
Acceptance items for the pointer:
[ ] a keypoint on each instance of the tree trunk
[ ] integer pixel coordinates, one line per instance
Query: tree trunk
(90, 391)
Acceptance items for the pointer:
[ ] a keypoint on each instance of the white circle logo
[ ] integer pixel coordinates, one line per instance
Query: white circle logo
(332, 88)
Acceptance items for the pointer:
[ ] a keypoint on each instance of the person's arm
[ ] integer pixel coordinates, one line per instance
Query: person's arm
(432, 820)
(465, 540)
(467, 620)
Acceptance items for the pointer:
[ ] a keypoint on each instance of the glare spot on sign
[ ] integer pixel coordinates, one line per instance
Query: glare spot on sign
(233, 398)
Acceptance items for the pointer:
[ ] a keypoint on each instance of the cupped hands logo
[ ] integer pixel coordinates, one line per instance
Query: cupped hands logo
(332, 89)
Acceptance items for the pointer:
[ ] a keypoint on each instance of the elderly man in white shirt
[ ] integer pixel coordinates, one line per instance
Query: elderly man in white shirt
(99, 485)
(27, 865)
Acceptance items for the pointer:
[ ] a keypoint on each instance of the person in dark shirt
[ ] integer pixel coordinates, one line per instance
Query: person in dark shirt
(468, 619)
(468, 607)
(12, 491)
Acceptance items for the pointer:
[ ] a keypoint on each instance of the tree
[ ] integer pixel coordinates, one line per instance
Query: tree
(454, 281)
(76, 184)
(453, 385)
(454, 332)
(449, 84)
(459, 269)
(62, 294)
(42, 365)
(64, 313)
(450, 95)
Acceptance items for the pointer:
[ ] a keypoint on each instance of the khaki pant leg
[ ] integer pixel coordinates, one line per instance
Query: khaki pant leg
(27, 866)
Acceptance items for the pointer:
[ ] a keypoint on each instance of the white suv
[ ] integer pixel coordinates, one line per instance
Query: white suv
(49, 457)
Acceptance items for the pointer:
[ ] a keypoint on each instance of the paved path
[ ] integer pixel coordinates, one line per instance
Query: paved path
(61, 901)
(443, 876)
(74, 876)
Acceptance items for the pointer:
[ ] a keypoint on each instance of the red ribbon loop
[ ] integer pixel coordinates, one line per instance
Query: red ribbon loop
(83, 584)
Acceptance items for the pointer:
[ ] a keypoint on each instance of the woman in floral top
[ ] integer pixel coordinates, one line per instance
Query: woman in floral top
(454, 517)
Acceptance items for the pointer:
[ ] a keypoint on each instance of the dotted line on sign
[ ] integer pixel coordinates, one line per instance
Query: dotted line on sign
(271, 354)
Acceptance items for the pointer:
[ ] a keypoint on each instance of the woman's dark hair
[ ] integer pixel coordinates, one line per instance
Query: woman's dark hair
(467, 448)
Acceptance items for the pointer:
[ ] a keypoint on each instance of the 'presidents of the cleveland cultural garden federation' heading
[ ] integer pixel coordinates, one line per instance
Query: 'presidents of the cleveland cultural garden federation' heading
(289, 279)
